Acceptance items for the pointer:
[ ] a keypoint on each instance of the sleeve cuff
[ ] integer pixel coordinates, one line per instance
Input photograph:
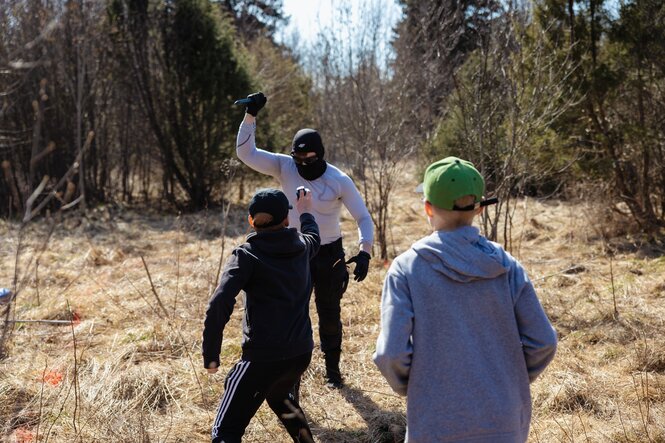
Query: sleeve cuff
(306, 216)
(207, 361)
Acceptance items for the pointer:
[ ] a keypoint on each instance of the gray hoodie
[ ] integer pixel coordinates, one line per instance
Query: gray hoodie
(462, 336)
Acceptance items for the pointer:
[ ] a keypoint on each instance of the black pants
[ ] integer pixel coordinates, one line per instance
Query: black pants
(330, 278)
(249, 383)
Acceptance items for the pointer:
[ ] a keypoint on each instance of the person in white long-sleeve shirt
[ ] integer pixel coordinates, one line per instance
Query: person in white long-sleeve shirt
(333, 189)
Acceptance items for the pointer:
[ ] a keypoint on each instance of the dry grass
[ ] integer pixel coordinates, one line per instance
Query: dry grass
(135, 374)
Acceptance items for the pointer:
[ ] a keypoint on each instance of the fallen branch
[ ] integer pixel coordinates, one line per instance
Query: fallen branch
(569, 270)
(72, 169)
(37, 158)
(33, 197)
(54, 322)
(77, 390)
(155, 310)
(72, 204)
(152, 286)
(41, 399)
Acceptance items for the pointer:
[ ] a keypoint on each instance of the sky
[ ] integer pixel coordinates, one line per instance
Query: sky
(308, 16)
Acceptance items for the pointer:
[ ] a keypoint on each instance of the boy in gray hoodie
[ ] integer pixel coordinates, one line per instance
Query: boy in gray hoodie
(462, 331)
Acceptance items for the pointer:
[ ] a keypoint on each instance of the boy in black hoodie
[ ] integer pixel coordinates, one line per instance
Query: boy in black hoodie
(272, 267)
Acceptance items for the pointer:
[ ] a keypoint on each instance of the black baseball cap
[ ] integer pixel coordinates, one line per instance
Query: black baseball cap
(270, 201)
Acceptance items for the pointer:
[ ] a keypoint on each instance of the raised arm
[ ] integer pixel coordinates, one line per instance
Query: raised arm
(308, 227)
(236, 274)
(262, 161)
(310, 232)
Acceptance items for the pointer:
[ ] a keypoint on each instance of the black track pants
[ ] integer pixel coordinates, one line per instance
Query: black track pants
(330, 279)
(248, 384)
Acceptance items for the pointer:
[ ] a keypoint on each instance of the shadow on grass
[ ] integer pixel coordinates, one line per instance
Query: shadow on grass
(383, 426)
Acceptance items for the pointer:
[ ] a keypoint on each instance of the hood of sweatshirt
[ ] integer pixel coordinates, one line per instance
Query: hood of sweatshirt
(463, 255)
(282, 243)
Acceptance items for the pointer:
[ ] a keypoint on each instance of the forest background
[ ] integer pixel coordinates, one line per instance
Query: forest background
(127, 102)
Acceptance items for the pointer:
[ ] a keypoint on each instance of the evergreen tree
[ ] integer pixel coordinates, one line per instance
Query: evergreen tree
(619, 80)
(188, 70)
(255, 17)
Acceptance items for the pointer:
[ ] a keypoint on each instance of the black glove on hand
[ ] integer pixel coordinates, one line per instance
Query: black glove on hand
(362, 265)
(258, 102)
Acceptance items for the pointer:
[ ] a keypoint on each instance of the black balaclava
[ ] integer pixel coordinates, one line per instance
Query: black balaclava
(309, 140)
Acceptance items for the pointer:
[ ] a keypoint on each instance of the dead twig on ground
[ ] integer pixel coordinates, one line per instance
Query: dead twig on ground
(53, 322)
(41, 399)
(77, 392)
(152, 286)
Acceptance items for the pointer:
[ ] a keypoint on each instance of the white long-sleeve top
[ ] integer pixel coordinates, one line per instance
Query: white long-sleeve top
(330, 191)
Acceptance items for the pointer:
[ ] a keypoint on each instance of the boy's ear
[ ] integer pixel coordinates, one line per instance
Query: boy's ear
(285, 223)
(250, 220)
(428, 209)
(479, 210)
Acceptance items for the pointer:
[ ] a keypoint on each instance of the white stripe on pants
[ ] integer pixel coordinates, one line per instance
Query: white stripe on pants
(231, 384)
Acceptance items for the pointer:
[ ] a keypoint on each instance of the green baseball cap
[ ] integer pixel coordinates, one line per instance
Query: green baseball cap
(449, 179)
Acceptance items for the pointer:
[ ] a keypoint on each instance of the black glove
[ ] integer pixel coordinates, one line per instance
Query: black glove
(258, 102)
(362, 265)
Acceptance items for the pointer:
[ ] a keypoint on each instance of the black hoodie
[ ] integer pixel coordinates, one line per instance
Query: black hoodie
(272, 267)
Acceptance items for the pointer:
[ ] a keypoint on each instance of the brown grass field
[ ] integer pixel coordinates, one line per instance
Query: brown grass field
(129, 370)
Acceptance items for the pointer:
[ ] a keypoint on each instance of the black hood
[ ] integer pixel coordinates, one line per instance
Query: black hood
(282, 243)
(308, 140)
